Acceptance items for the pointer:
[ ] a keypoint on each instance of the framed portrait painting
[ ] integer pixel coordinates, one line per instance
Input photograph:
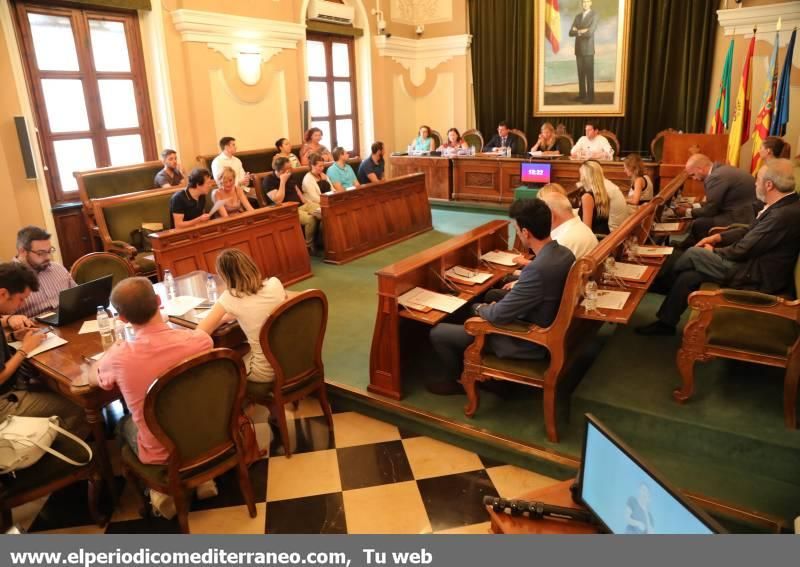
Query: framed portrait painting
(580, 57)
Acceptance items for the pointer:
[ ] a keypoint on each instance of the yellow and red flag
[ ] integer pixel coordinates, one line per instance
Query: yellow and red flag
(552, 24)
(741, 118)
(764, 118)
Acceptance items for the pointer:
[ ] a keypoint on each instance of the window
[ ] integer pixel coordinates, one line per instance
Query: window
(332, 90)
(86, 78)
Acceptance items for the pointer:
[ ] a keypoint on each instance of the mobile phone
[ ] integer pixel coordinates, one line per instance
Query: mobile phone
(43, 330)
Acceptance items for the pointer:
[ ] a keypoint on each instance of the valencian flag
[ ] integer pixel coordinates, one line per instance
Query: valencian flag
(741, 118)
(781, 116)
(719, 123)
(764, 119)
(552, 24)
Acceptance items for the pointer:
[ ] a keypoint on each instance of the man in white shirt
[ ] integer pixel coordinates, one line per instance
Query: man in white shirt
(568, 230)
(228, 159)
(593, 145)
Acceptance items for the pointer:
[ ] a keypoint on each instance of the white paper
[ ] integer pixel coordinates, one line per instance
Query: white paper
(181, 304)
(52, 341)
(653, 250)
(608, 299)
(202, 314)
(502, 258)
(420, 296)
(217, 206)
(666, 226)
(468, 275)
(97, 356)
(629, 271)
(89, 326)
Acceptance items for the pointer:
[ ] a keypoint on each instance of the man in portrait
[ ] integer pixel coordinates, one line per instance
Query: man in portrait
(582, 29)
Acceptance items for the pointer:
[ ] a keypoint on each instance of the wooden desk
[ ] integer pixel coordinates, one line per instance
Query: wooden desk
(489, 178)
(271, 236)
(426, 270)
(438, 173)
(557, 495)
(374, 216)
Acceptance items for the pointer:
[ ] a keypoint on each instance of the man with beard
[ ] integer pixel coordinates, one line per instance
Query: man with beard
(35, 251)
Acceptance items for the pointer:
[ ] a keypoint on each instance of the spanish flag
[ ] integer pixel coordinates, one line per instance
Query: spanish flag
(552, 24)
(741, 119)
(761, 130)
(719, 123)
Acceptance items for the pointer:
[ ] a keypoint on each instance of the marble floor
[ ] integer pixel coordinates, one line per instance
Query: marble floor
(367, 476)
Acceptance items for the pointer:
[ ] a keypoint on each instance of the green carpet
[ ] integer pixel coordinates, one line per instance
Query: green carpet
(728, 442)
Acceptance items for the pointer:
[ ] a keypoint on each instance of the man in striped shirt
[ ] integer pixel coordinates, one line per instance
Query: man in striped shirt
(35, 251)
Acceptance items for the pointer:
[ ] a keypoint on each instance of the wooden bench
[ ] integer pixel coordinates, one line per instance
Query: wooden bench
(298, 173)
(253, 161)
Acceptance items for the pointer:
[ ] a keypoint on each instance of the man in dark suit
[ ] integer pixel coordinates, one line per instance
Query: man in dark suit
(503, 139)
(533, 299)
(583, 28)
(730, 195)
(761, 257)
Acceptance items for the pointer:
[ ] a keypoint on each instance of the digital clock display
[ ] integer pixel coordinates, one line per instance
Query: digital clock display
(535, 172)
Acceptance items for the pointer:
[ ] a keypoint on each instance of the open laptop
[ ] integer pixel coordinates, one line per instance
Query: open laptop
(80, 301)
(626, 496)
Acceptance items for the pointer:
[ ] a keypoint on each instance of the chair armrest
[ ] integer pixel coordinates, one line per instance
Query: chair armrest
(478, 327)
(123, 249)
(753, 301)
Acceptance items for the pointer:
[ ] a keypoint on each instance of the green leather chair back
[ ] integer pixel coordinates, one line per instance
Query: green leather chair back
(116, 183)
(295, 339)
(437, 139)
(564, 144)
(475, 139)
(258, 162)
(99, 264)
(124, 218)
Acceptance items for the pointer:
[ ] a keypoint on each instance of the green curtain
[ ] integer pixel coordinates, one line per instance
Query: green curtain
(670, 54)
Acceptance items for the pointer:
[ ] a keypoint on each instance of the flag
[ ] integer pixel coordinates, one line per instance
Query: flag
(781, 114)
(741, 118)
(552, 24)
(764, 119)
(719, 122)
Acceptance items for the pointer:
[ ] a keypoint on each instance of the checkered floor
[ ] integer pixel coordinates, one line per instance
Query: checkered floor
(366, 477)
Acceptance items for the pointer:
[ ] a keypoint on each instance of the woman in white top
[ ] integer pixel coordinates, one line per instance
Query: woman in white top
(641, 190)
(249, 299)
(602, 203)
(315, 182)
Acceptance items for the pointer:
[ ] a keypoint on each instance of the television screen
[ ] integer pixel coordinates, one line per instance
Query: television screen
(538, 173)
(627, 496)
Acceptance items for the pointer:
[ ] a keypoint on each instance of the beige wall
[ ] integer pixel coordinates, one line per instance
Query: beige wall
(762, 53)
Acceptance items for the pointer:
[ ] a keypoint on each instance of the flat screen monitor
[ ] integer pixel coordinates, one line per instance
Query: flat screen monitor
(535, 173)
(627, 496)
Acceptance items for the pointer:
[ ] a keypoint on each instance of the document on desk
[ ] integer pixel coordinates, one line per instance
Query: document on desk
(426, 298)
(666, 226)
(181, 304)
(467, 275)
(89, 326)
(52, 341)
(610, 299)
(629, 271)
(502, 258)
(653, 250)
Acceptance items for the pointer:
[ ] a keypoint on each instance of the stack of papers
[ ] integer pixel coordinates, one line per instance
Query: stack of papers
(52, 341)
(181, 304)
(467, 275)
(608, 299)
(653, 250)
(629, 271)
(420, 297)
(666, 226)
(502, 258)
(89, 326)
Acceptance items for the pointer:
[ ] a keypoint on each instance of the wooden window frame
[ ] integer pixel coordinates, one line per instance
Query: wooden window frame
(328, 40)
(79, 16)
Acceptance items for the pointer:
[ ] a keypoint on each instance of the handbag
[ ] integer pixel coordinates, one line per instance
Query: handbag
(25, 440)
(247, 434)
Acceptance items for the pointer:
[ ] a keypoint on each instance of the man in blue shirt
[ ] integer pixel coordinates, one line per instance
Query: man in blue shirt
(340, 174)
(371, 169)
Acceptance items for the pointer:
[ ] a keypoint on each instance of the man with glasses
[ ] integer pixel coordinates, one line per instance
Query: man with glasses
(35, 251)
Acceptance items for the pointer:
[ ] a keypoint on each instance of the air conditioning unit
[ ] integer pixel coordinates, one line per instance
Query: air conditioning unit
(330, 12)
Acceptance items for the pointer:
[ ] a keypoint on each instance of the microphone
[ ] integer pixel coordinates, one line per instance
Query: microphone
(536, 510)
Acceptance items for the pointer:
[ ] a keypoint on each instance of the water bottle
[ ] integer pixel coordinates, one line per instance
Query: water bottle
(472, 150)
(169, 284)
(608, 269)
(105, 326)
(130, 334)
(409, 149)
(211, 288)
(508, 151)
(119, 330)
(590, 296)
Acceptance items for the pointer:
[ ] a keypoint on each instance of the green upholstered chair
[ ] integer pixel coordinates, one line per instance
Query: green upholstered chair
(437, 139)
(521, 146)
(253, 161)
(48, 475)
(743, 325)
(564, 144)
(612, 140)
(474, 138)
(193, 409)
(291, 339)
(657, 145)
(98, 264)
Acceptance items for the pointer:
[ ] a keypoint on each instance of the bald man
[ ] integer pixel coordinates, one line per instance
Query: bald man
(761, 257)
(730, 196)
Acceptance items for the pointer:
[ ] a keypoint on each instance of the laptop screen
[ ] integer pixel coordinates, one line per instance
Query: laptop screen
(538, 173)
(627, 496)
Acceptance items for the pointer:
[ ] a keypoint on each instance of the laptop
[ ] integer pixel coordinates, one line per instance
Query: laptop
(628, 497)
(80, 301)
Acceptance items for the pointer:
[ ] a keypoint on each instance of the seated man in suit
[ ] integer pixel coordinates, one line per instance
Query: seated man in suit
(761, 257)
(534, 299)
(730, 194)
(35, 250)
(503, 139)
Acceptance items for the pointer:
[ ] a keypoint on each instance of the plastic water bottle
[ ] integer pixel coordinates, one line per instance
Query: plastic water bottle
(508, 151)
(609, 266)
(105, 327)
(211, 288)
(169, 284)
(590, 296)
(119, 330)
(410, 149)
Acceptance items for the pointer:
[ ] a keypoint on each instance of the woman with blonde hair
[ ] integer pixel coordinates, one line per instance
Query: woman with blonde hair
(602, 205)
(547, 139)
(235, 201)
(250, 299)
(641, 190)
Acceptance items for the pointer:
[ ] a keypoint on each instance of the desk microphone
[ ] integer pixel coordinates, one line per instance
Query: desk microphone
(536, 510)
